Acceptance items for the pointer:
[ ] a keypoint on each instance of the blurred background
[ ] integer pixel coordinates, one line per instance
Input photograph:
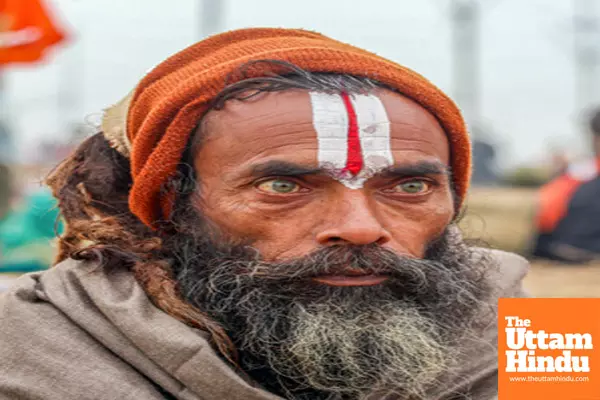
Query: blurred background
(525, 73)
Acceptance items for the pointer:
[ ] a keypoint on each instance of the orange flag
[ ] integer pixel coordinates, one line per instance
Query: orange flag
(26, 31)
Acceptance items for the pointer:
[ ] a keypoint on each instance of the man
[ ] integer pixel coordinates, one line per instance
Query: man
(568, 218)
(270, 214)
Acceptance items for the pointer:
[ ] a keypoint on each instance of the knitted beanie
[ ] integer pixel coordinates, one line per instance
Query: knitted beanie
(153, 124)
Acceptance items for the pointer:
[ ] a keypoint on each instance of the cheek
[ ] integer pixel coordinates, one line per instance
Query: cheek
(414, 227)
(273, 230)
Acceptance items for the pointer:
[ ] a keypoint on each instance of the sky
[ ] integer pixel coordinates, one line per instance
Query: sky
(528, 96)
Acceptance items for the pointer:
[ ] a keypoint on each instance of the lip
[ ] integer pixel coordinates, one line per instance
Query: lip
(351, 280)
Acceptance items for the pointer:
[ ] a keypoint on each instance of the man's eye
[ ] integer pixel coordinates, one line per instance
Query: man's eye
(279, 186)
(412, 187)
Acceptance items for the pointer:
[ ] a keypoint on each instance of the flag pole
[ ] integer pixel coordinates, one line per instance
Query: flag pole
(211, 17)
(5, 135)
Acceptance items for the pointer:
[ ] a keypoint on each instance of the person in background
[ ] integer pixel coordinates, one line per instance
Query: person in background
(27, 227)
(27, 232)
(568, 217)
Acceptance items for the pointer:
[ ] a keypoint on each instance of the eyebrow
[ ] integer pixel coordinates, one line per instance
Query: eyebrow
(416, 169)
(285, 168)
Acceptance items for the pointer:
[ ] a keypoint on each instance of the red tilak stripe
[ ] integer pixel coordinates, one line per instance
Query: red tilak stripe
(354, 161)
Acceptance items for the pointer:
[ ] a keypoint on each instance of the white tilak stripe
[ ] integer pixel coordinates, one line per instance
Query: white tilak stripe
(330, 121)
(374, 133)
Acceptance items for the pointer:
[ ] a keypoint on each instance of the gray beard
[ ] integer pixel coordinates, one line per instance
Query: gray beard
(303, 340)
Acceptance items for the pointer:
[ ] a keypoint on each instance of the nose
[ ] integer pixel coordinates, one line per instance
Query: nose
(353, 223)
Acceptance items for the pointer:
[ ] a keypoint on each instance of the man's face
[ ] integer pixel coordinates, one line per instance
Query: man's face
(331, 285)
(262, 176)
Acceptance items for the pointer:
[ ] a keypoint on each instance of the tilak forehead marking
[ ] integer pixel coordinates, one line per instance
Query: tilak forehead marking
(338, 120)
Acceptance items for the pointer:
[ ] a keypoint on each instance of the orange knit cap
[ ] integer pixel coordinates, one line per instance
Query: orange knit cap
(168, 103)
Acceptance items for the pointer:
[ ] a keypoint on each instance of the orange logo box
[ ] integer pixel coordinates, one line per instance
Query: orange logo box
(549, 349)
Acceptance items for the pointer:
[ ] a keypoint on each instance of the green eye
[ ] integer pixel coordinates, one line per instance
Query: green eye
(279, 186)
(413, 187)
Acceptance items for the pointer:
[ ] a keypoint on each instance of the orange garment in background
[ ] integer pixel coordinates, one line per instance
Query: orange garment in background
(26, 31)
(555, 196)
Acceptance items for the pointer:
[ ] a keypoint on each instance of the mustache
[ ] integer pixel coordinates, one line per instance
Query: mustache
(431, 281)
(335, 260)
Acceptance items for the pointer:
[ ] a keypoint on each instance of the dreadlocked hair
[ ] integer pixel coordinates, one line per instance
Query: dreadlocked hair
(92, 187)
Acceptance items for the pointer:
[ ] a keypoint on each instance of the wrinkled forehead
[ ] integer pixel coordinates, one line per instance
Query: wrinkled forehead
(354, 134)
